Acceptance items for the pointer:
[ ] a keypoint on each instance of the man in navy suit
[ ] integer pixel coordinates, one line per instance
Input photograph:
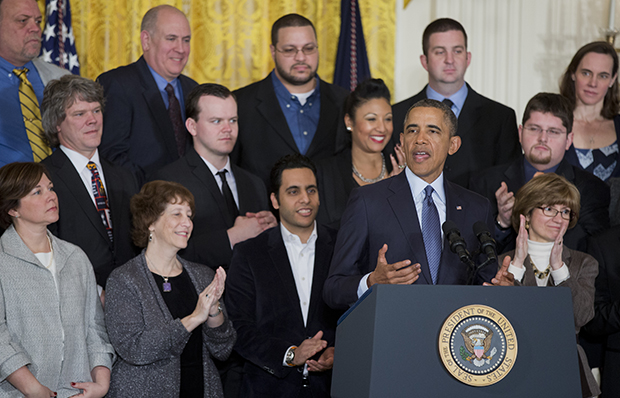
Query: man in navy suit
(487, 129)
(73, 121)
(389, 230)
(145, 101)
(285, 331)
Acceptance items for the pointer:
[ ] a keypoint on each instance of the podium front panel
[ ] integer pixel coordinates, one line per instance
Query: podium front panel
(388, 345)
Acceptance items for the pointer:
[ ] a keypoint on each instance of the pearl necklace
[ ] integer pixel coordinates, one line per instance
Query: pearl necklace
(371, 180)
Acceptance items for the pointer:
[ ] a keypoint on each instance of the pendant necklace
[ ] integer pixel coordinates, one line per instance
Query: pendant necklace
(166, 286)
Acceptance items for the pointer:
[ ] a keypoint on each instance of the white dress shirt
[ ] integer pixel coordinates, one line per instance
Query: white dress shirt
(230, 178)
(79, 162)
(301, 257)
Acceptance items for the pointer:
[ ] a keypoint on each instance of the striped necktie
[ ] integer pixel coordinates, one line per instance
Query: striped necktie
(32, 117)
(431, 233)
(101, 199)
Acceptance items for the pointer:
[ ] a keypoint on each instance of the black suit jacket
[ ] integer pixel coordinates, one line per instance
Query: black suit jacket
(593, 215)
(605, 248)
(335, 181)
(137, 131)
(488, 132)
(385, 213)
(79, 221)
(263, 304)
(209, 242)
(264, 135)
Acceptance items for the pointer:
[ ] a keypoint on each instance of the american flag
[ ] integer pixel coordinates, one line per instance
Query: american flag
(351, 60)
(58, 42)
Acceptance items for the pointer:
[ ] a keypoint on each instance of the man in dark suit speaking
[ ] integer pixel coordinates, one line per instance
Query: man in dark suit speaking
(390, 232)
(145, 110)
(487, 129)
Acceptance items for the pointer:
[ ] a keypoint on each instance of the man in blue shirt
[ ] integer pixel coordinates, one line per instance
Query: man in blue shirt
(144, 123)
(545, 136)
(292, 109)
(20, 44)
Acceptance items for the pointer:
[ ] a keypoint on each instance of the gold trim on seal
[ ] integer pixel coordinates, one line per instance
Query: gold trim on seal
(487, 316)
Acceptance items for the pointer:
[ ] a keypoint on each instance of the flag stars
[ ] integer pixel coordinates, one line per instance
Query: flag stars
(49, 31)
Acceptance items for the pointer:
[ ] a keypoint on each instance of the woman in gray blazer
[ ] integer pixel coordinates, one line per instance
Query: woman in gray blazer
(52, 332)
(544, 209)
(164, 314)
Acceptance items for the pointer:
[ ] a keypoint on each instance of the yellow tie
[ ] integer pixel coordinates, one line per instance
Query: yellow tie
(32, 117)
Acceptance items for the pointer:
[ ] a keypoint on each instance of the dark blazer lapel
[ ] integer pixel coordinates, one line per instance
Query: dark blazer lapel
(322, 259)
(68, 176)
(279, 256)
(404, 209)
(470, 114)
(114, 195)
(203, 174)
(515, 175)
(244, 189)
(156, 105)
(329, 111)
(269, 108)
(565, 169)
(456, 211)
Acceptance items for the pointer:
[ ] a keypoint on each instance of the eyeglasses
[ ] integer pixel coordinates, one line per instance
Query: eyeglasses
(551, 212)
(537, 130)
(290, 52)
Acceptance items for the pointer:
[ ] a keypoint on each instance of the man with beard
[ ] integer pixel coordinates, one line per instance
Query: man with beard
(292, 109)
(23, 79)
(545, 135)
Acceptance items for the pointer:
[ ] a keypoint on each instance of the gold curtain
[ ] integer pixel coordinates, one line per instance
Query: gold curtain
(230, 38)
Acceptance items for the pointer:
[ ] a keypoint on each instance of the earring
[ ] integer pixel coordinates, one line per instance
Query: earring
(348, 128)
(150, 236)
(527, 224)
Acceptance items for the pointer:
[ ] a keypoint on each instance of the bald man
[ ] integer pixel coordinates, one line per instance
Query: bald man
(144, 123)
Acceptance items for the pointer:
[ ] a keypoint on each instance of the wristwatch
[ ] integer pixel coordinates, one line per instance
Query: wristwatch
(290, 356)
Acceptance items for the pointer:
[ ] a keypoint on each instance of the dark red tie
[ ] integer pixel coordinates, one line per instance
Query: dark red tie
(101, 199)
(174, 110)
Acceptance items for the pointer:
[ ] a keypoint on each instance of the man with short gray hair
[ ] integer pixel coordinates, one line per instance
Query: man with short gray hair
(145, 123)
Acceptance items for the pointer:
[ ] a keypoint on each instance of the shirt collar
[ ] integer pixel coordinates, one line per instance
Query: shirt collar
(282, 91)
(160, 81)
(214, 170)
(530, 170)
(417, 185)
(8, 67)
(80, 161)
(288, 236)
(458, 98)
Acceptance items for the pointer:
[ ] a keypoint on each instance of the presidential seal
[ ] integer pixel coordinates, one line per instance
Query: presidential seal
(478, 345)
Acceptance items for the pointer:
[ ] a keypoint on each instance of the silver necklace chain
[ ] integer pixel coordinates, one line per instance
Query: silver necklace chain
(371, 180)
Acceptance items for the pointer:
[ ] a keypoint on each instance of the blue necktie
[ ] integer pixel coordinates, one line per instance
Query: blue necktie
(431, 233)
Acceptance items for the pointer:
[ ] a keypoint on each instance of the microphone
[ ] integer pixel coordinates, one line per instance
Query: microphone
(487, 243)
(457, 243)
